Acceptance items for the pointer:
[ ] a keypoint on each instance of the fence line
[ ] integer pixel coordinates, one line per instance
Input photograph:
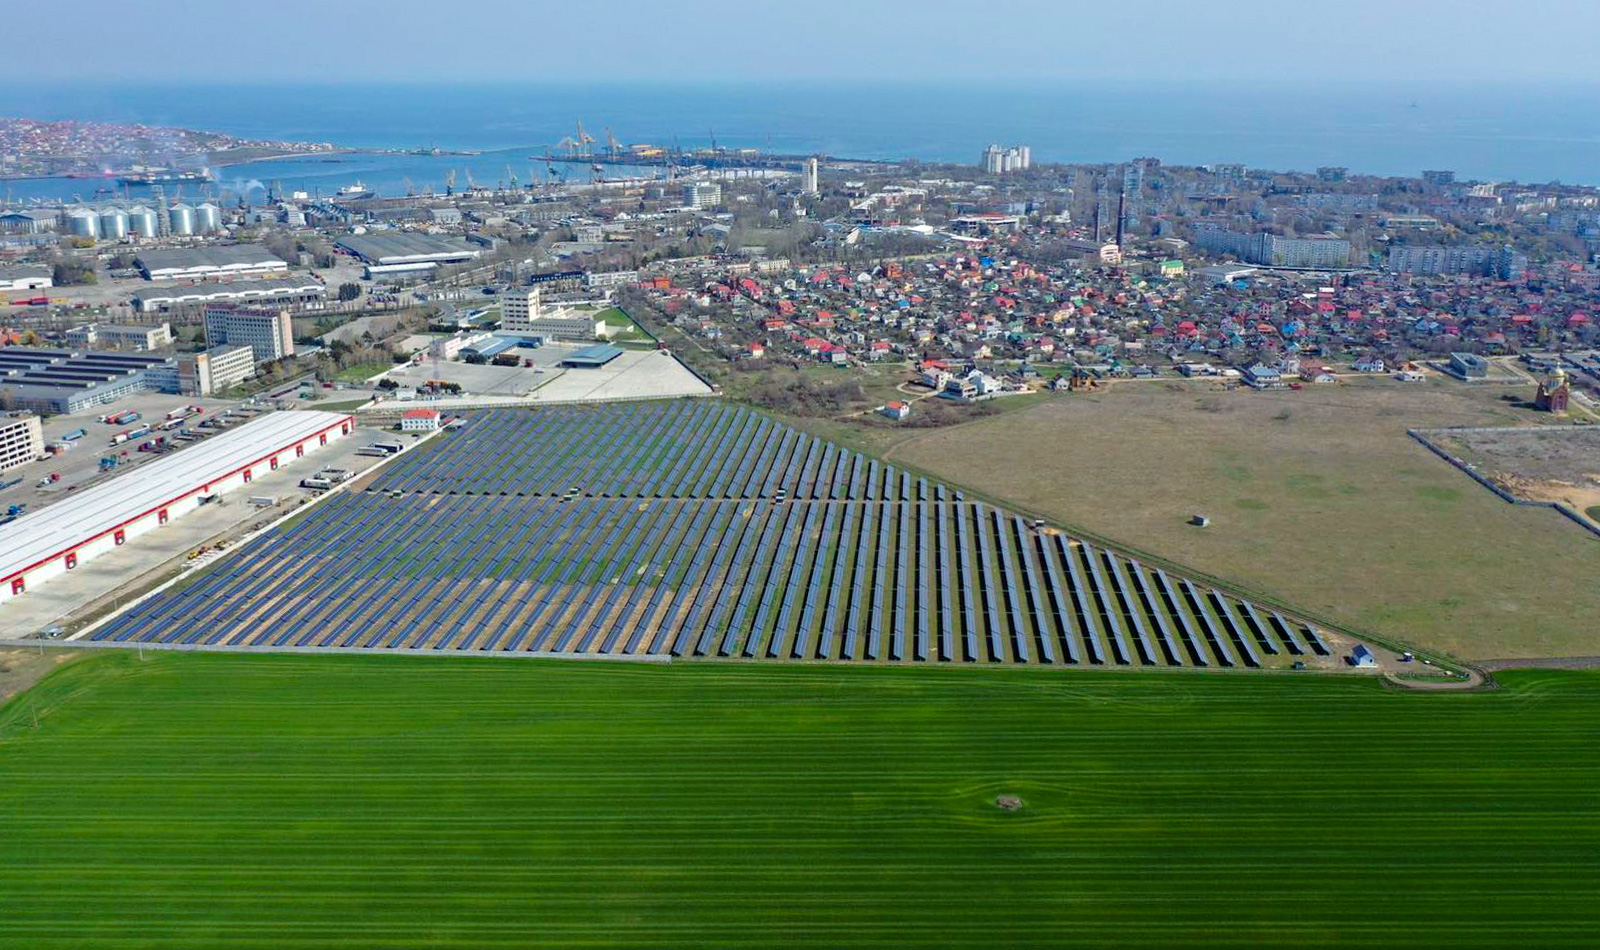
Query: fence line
(351, 651)
(1571, 513)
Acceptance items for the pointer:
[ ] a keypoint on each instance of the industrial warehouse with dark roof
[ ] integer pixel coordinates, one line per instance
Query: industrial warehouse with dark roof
(402, 252)
(290, 290)
(208, 261)
(50, 380)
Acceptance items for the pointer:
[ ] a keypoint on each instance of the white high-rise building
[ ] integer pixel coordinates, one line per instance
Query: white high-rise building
(522, 314)
(702, 194)
(1000, 161)
(519, 307)
(21, 441)
(216, 370)
(809, 180)
(269, 333)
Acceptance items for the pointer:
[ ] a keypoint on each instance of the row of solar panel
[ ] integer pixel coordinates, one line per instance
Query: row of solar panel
(934, 579)
(696, 449)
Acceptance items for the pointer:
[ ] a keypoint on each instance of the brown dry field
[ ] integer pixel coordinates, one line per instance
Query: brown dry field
(1317, 497)
(21, 667)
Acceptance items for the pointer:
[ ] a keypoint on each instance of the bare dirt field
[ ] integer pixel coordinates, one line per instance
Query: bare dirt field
(1317, 497)
(1547, 463)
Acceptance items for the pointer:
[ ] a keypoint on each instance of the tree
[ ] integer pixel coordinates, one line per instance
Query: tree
(71, 273)
(348, 292)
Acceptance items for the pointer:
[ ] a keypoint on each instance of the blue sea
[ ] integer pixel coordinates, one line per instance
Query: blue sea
(1484, 132)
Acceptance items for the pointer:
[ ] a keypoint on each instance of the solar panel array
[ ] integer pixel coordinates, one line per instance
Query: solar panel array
(694, 529)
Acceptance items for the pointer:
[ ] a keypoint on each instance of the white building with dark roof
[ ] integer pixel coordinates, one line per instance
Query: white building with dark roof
(26, 277)
(292, 291)
(229, 260)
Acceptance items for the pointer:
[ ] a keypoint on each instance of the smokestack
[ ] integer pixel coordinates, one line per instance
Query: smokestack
(1122, 213)
(1099, 202)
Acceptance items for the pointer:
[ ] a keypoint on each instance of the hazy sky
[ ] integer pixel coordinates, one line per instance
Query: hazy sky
(687, 40)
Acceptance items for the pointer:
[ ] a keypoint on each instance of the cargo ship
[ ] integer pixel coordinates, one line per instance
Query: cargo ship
(166, 176)
(357, 190)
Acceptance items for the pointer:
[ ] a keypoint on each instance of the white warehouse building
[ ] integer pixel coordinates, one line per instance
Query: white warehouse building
(60, 537)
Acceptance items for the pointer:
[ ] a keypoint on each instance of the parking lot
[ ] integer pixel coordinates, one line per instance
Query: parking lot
(636, 374)
(123, 571)
(79, 467)
(477, 379)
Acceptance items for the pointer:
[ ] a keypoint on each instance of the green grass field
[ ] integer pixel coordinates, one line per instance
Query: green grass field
(1316, 497)
(361, 372)
(191, 800)
(621, 327)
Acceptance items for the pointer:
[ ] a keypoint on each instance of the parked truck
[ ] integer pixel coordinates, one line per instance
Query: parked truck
(122, 437)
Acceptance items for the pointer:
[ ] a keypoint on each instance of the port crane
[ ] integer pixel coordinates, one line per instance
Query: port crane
(612, 145)
(584, 140)
(450, 182)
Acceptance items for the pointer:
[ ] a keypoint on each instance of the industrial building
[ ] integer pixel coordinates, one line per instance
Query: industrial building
(522, 314)
(592, 357)
(269, 332)
(120, 337)
(52, 380)
(1467, 366)
(451, 347)
(60, 537)
(487, 346)
(302, 292)
(406, 253)
(25, 277)
(21, 440)
(216, 370)
(29, 222)
(810, 178)
(233, 260)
